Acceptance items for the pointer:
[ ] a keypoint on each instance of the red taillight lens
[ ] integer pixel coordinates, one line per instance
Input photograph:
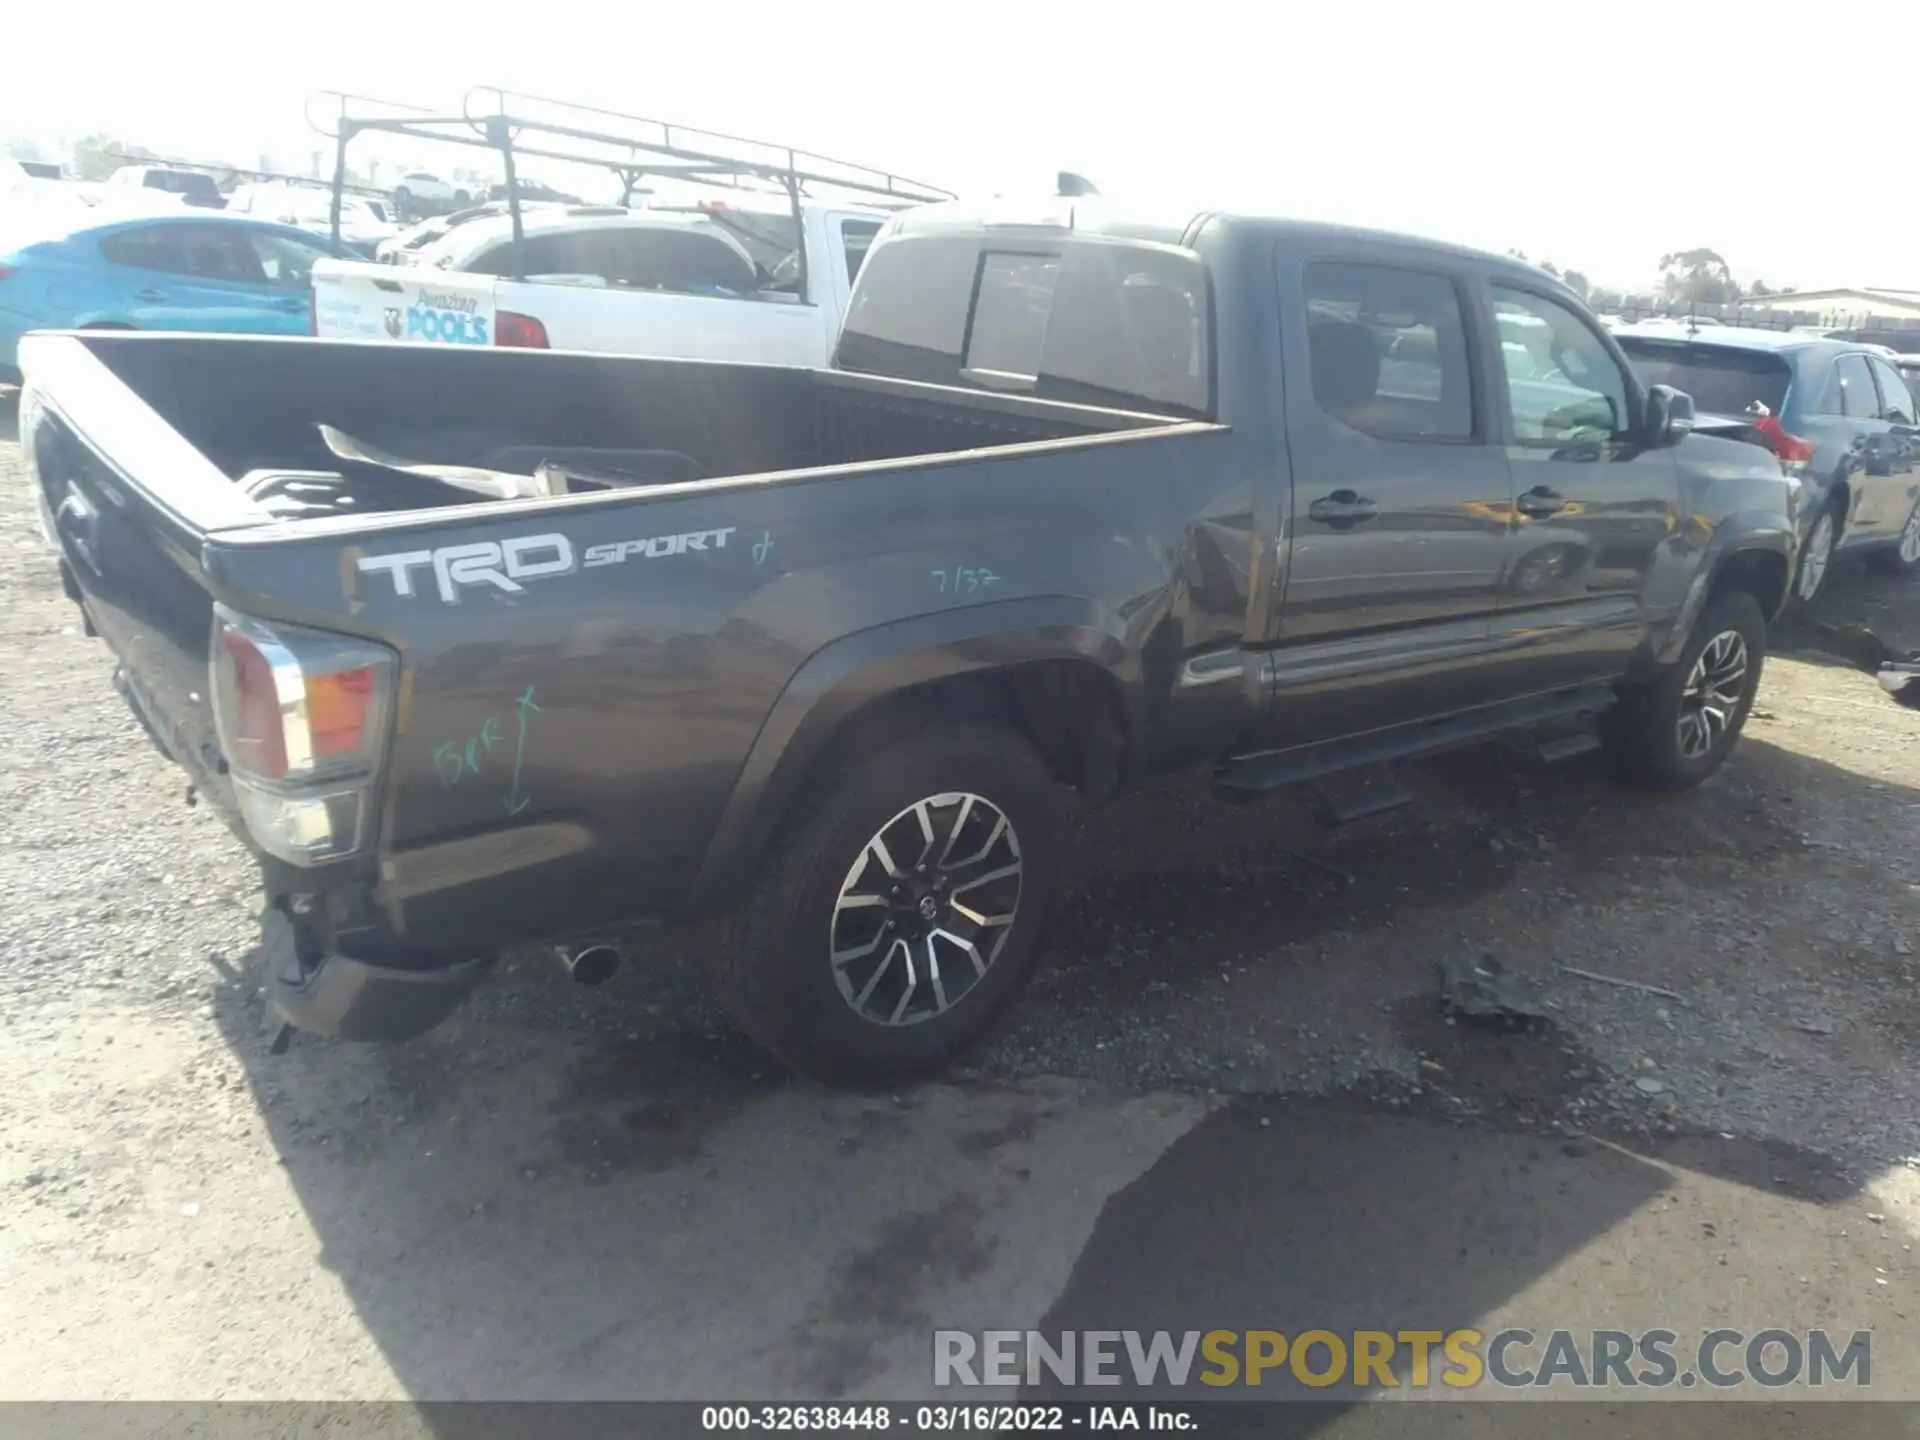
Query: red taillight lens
(256, 736)
(5, 271)
(523, 332)
(296, 705)
(1792, 449)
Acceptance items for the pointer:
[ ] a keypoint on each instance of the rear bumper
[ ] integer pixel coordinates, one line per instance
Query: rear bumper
(356, 1000)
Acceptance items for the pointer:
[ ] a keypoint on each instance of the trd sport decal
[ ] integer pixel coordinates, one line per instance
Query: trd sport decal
(504, 564)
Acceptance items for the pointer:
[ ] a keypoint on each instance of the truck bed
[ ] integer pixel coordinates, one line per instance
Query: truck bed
(616, 656)
(250, 406)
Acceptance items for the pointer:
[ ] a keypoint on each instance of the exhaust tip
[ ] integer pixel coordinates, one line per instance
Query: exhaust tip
(593, 965)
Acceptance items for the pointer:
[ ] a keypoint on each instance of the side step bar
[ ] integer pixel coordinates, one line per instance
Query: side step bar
(1244, 775)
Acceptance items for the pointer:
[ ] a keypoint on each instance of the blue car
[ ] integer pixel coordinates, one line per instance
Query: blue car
(66, 270)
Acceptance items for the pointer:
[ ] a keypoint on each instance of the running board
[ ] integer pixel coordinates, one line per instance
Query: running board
(1241, 776)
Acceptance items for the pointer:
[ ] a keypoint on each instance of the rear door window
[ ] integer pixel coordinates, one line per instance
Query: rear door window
(1896, 399)
(153, 247)
(1388, 351)
(856, 238)
(1858, 400)
(676, 260)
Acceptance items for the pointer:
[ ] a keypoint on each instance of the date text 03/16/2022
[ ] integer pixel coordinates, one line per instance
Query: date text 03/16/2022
(946, 1419)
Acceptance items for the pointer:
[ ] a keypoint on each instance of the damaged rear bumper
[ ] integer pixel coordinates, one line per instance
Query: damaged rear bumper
(355, 999)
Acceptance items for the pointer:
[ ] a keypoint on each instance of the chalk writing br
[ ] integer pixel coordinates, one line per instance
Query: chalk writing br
(964, 579)
(456, 761)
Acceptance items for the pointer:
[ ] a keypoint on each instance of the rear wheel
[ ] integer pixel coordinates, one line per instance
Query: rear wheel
(901, 908)
(1903, 556)
(1816, 556)
(1676, 731)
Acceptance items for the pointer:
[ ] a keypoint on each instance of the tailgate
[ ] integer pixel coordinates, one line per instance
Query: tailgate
(130, 553)
(358, 300)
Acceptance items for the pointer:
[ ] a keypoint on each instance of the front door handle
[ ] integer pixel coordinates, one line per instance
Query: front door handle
(150, 297)
(292, 303)
(1342, 510)
(1540, 502)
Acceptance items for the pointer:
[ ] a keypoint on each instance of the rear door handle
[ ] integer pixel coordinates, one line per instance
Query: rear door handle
(150, 297)
(294, 303)
(1540, 502)
(1342, 509)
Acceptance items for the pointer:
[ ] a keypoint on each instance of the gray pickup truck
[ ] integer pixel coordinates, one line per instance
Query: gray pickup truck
(480, 648)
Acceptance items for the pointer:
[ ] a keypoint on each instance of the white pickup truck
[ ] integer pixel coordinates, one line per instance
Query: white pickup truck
(763, 283)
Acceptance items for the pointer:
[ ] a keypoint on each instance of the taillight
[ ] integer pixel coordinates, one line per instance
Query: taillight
(6, 271)
(302, 719)
(1794, 451)
(520, 331)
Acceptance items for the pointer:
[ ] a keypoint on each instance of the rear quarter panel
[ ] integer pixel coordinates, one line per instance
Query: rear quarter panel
(586, 729)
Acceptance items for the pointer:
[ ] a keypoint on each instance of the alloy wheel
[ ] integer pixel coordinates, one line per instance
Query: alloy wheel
(1816, 558)
(1910, 539)
(926, 909)
(1712, 694)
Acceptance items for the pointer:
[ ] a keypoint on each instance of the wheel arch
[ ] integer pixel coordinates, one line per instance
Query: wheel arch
(1054, 669)
(1754, 551)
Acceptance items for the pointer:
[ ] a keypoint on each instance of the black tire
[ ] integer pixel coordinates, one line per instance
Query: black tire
(1643, 733)
(776, 972)
(1832, 517)
(1891, 560)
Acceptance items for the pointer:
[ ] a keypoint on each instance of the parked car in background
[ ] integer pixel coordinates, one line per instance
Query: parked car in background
(1909, 368)
(695, 284)
(1888, 339)
(533, 190)
(194, 187)
(62, 270)
(421, 192)
(1086, 500)
(1838, 414)
(363, 221)
(404, 247)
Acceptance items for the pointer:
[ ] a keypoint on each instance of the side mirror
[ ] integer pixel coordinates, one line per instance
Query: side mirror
(1669, 415)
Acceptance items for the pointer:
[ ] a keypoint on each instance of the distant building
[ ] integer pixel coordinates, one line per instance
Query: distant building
(1846, 308)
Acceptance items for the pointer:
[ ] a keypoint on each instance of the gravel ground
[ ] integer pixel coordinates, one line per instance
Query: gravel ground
(1207, 953)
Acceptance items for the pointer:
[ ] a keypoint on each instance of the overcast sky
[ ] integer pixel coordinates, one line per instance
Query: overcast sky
(1596, 136)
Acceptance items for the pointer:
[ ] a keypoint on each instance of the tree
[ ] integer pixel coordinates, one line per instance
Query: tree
(1697, 277)
(22, 147)
(98, 155)
(1578, 284)
(1759, 288)
(1550, 268)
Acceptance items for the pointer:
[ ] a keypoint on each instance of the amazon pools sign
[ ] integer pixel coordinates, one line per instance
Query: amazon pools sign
(441, 319)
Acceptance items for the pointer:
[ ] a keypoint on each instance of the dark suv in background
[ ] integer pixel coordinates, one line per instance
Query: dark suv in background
(1837, 413)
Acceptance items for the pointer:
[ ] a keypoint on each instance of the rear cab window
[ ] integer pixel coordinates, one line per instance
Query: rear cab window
(1123, 324)
(1720, 379)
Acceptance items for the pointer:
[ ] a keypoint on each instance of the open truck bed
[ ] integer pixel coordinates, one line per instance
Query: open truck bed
(566, 687)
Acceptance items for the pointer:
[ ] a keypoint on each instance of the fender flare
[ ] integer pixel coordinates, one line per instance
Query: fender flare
(850, 673)
(1741, 532)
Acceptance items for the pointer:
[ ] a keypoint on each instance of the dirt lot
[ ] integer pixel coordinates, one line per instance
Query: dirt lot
(1229, 1099)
